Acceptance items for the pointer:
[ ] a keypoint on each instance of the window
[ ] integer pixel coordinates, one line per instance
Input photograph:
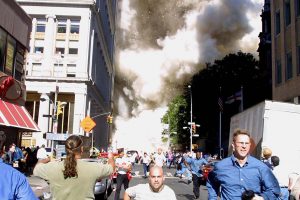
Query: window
(74, 26)
(3, 36)
(277, 22)
(38, 49)
(71, 65)
(289, 66)
(278, 72)
(20, 54)
(58, 65)
(36, 65)
(10, 55)
(40, 25)
(287, 12)
(73, 51)
(60, 50)
(297, 2)
(61, 26)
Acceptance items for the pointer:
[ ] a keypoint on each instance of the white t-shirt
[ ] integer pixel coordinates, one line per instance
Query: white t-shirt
(41, 153)
(146, 160)
(143, 192)
(122, 163)
(159, 159)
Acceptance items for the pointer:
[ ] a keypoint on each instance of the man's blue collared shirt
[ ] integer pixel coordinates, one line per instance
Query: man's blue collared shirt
(196, 165)
(234, 179)
(13, 184)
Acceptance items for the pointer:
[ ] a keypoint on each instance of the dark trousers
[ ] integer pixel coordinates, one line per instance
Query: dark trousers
(196, 185)
(121, 179)
(146, 168)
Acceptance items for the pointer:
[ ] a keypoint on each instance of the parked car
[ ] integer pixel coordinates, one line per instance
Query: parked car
(103, 187)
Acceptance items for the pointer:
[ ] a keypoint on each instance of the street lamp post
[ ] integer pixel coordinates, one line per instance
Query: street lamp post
(191, 122)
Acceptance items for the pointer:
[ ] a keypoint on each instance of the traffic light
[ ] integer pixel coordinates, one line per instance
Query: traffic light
(109, 119)
(193, 128)
(59, 108)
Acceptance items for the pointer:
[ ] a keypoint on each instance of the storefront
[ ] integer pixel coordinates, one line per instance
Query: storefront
(15, 27)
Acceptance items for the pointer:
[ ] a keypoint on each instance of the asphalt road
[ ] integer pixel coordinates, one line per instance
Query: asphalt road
(182, 190)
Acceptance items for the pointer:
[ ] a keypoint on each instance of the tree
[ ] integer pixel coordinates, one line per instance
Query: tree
(230, 73)
(175, 117)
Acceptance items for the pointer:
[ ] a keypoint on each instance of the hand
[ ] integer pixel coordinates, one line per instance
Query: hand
(110, 155)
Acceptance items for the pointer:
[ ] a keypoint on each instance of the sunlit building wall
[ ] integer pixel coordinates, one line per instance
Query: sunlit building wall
(285, 20)
(70, 61)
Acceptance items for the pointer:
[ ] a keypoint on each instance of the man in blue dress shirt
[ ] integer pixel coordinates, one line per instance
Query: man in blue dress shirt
(196, 165)
(13, 184)
(240, 172)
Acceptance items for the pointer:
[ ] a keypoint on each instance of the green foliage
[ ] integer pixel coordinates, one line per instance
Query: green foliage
(176, 113)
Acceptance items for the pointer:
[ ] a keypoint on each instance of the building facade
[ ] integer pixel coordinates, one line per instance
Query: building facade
(285, 31)
(265, 48)
(15, 26)
(69, 68)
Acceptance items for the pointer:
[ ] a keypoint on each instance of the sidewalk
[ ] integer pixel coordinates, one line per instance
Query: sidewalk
(38, 185)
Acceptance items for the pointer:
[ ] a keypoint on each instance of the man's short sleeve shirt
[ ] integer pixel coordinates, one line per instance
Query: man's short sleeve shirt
(159, 159)
(196, 165)
(122, 163)
(143, 192)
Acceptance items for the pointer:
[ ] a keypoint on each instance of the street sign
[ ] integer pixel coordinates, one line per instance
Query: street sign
(87, 124)
(57, 137)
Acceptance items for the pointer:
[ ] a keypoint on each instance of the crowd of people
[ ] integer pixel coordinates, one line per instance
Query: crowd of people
(237, 177)
(21, 158)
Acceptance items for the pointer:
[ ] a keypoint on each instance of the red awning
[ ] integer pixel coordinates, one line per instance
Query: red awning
(16, 116)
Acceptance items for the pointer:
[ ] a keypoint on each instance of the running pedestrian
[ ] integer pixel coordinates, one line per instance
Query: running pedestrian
(240, 172)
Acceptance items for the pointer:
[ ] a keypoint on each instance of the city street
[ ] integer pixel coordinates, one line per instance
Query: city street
(182, 190)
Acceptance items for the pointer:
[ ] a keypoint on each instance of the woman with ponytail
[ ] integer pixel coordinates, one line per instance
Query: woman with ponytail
(73, 178)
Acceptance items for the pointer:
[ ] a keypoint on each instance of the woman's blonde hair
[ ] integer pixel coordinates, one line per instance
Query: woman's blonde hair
(73, 146)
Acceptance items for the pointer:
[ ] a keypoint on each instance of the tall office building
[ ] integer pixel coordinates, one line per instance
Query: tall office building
(285, 26)
(70, 69)
(265, 48)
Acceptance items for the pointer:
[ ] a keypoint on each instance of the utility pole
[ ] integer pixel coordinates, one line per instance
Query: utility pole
(55, 124)
(169, 133)
(191, 122)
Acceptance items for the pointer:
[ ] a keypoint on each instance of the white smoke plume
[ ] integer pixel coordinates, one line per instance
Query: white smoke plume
(162, 44)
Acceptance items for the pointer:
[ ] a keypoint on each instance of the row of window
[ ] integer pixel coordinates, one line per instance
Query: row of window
(72, 51)
(287, 14)
(288, 69)
(55, 65)
(61, 25)
(12, 55)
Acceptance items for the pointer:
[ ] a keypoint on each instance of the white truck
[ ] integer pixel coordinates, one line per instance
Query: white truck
(275, 125)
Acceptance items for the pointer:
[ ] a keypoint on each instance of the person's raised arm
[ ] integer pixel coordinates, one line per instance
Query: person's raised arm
(44, 161)
(126, 196)
(111, 160)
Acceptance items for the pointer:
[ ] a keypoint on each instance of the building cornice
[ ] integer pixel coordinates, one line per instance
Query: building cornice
(79, 2)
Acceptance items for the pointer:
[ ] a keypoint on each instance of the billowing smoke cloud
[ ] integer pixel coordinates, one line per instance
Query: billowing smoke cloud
(161, 44)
